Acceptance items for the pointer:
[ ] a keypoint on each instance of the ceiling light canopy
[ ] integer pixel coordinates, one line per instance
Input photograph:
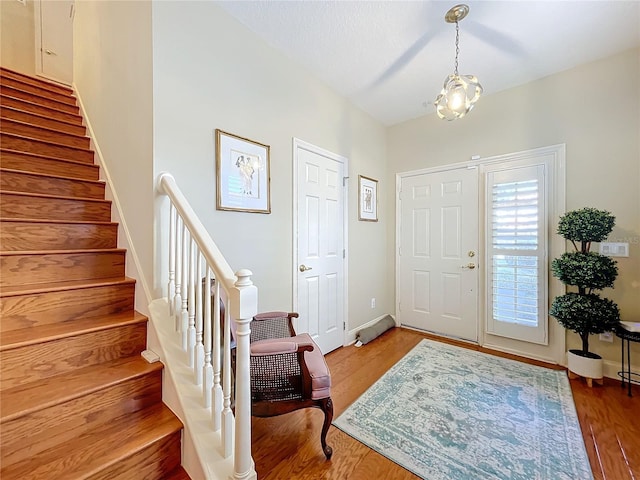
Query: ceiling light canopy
(460, 92)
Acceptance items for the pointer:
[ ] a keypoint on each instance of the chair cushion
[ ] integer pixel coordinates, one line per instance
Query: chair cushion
(318, 369)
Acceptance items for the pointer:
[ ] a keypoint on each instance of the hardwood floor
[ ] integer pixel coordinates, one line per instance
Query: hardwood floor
(288, 447)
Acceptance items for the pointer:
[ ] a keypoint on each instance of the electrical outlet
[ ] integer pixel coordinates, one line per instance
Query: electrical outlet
(606, 337)
(373, 303)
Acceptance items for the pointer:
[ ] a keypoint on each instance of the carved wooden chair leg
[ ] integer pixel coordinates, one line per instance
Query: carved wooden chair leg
(327, 407)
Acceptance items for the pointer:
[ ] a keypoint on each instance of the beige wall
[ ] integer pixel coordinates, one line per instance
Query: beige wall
(211, 72)
(17, 36)
(595, 110)
(113, 77)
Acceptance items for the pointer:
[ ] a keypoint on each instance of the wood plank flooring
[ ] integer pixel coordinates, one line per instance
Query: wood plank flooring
(288, 447)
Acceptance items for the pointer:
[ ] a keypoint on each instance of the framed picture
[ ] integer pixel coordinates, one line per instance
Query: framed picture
(242, 171)
(367, 199)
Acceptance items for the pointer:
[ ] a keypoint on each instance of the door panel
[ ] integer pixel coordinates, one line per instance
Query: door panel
(320, 243)
(439, 228)
(55, 32)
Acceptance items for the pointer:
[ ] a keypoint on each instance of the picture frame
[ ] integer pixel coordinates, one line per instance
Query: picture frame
(367, 199)
(242, 174)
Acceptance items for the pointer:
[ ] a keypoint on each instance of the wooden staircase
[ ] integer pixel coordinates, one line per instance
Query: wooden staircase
(77, 401)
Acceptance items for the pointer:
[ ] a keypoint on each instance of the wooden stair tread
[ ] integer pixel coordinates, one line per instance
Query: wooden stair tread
(49, 142)
(44, 195)
(50, 175)
(54, 331)
(24, 399)
(178, 474)
(57, 222)
(101, 447)
(61, 252)
(28, 289)
(45, 157)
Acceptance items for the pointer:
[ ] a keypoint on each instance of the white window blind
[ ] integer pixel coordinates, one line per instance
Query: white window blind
(516, 246)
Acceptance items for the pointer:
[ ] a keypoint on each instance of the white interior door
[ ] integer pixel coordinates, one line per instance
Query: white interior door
(319, 261)
(438, 253)
(54, 39)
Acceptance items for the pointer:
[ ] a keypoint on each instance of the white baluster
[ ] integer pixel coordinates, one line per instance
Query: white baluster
(177, 300)
(171, 287)
(184, 314)
(227, 414)
(244, 301)
(216, 411)
(191, 332)
(207, 369)
(199, 352)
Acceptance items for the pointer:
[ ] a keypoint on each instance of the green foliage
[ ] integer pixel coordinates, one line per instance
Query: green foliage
(585, 312)
(590, 271)
(586, 225)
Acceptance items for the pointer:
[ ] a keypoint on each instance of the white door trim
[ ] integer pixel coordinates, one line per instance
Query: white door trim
(301, 144)
(556, 247)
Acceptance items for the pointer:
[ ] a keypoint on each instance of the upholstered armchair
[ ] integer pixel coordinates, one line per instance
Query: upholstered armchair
(288, 371)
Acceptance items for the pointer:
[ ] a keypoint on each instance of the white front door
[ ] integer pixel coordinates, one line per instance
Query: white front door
(54, 39)
(438, 253)
(319, 259)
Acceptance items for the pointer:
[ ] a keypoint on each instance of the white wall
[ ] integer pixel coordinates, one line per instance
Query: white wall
(595, 110)
(211, 72)
(17, 36)
(113, 77)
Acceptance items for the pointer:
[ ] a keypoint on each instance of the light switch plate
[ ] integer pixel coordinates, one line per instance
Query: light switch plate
(614, 249)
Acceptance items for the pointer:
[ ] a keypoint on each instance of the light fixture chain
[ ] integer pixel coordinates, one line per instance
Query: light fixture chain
(455, 70)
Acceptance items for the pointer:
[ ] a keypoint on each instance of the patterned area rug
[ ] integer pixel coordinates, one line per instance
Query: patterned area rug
(445, 412)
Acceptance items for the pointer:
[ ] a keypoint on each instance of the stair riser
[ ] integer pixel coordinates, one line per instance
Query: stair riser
(40, 147)
(30, 310)
(46, 135)
(42, 84)
(26, 106)
(33, 183)
(31, 434)
(46, 208)
(47, 102)
(15, 236)
(50, 166)
(153, 463)
(31, 363)
(45, 122)
(39, 91)
(26, 269)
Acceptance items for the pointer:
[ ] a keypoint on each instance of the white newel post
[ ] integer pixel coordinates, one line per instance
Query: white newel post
(244, 304)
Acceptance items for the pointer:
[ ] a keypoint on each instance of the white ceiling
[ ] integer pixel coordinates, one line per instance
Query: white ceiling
(391, 57)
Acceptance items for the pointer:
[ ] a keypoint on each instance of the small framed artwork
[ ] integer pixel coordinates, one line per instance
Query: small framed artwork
(242, 171)
(367, 199)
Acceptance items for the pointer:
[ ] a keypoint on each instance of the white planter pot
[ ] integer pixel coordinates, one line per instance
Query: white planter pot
(590, 368)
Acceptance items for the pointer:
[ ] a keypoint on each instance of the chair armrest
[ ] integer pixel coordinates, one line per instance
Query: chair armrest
(278, 346)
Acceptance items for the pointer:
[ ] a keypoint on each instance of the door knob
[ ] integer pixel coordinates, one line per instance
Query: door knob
(470, 266)
(304, 268)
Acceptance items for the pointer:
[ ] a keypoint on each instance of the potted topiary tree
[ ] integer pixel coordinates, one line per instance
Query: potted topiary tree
(584, 311)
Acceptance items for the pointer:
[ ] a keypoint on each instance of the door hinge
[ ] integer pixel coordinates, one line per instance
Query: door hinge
(344, 253)
(344, 325)
(344, 181)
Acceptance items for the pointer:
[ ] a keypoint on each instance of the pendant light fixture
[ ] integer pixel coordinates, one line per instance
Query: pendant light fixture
(460, 92)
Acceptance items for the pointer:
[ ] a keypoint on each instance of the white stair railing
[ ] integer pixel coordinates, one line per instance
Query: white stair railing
(199, 278)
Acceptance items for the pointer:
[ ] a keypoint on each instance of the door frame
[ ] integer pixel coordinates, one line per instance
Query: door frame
(301, 144)
(556, 245)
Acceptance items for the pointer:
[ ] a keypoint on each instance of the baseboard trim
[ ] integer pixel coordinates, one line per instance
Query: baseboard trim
(350, 337)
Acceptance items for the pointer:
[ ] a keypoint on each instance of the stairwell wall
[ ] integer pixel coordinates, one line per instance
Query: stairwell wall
(113, 79)
(212, 72)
